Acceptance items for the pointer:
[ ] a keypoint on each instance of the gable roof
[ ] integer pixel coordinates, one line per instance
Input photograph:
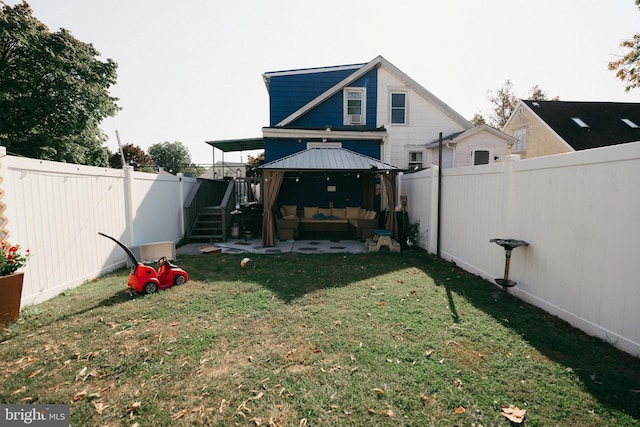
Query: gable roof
(460, 136)
(329, 159)
(359, 71)
(585, 125)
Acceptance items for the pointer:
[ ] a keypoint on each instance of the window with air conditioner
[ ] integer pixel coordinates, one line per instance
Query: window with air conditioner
(354, 106)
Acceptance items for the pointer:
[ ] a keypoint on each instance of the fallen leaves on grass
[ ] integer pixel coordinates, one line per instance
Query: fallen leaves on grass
(378, 390)
(513, 413)
(179, 415)
(459, 410)
(100, 407)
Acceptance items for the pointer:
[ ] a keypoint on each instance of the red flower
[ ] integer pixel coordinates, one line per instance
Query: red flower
(13, 249)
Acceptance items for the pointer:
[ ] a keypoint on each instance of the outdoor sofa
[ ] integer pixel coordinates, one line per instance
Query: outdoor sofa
(355, 220)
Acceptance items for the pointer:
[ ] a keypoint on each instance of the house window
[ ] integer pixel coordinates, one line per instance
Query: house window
(355, 106)
(481, 157)
(521, 136)
(398, 108)
(415, 160)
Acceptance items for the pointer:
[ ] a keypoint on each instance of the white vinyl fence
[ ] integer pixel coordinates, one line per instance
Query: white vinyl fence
(57, 209)
(580, 213)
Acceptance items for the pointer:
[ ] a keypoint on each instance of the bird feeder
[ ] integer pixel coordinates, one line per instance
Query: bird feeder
(508, 245)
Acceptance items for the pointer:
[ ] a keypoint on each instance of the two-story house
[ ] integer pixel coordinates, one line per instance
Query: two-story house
(543, 128)
(338, 134)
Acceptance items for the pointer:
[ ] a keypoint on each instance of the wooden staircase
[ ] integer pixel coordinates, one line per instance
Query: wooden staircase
(209, 225)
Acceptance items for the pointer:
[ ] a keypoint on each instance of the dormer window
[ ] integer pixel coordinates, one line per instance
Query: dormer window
(354, 106)
(630, 123)
(580, 122)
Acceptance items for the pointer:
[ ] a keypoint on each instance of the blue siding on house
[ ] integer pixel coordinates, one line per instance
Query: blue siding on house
(331, 112)
(312, 191)
(290, 92)
(275, 149)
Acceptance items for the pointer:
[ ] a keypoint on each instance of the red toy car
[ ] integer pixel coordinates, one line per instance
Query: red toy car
(145, 279)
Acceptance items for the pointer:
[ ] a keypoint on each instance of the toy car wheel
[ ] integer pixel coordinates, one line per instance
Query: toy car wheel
(150, 288)
(179, 280)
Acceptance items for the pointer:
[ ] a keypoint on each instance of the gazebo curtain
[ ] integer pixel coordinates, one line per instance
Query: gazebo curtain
(368, 191)
(389, 180)
(272, 183)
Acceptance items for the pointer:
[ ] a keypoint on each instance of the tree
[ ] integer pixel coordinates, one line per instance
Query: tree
(171, 156)
(537, 94)
(133, 156)
(253, 165)
(626, 67)
(54, 91)
(504, 103)
(478, 120)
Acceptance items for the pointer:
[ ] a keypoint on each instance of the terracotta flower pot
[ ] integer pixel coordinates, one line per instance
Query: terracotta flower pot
(10, 296)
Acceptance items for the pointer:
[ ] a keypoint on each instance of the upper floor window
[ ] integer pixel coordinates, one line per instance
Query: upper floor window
(415, 160)
(355, 106)
(398, 108)
(521, 143)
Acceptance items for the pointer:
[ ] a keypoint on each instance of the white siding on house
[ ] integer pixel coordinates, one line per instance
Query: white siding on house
(425, 121)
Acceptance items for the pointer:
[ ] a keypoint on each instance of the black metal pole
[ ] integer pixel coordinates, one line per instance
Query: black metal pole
(439, 191)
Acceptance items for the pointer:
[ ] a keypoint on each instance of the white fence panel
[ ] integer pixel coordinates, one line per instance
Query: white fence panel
(56, 210)
(418, 189)
(579, 212)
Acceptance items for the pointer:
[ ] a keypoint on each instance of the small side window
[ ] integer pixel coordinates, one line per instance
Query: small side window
(521, 143)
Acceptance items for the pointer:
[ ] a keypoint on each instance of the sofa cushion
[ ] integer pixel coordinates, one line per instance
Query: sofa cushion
(325, 211)
(353, 212)
(338, 212)
(288, 210)
(310, 211)
(370, 215)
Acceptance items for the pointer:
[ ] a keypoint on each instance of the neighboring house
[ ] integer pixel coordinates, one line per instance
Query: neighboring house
(543, 128)
(481, 145)
(225, 169)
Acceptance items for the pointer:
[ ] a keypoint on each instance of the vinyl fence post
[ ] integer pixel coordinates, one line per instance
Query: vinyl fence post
(128, 202)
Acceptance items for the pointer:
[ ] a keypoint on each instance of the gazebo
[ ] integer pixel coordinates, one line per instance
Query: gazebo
(334, 160)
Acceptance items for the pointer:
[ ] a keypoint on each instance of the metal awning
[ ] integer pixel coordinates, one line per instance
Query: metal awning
(329, 159)
(229, 145)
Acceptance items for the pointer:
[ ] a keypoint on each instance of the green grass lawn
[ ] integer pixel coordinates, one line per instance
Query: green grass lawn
(302, 340)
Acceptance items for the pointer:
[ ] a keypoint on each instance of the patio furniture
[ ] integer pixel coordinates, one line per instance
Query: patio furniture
(382, 238)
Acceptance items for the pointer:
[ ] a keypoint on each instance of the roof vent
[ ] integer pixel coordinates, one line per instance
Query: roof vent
(580, 122)
(630, 123)
(535, 104)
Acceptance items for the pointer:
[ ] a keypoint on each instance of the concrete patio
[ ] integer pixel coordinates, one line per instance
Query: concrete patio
(254, 246)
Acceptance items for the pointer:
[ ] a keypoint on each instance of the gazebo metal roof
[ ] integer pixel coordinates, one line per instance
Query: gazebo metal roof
(329, 159)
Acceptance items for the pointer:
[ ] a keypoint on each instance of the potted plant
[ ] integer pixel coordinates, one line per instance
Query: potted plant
(11, 260)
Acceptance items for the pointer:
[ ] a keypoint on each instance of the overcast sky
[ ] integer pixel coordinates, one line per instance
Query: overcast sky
(191, 71)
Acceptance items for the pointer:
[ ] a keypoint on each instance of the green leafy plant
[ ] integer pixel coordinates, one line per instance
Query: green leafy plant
(12, 259)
